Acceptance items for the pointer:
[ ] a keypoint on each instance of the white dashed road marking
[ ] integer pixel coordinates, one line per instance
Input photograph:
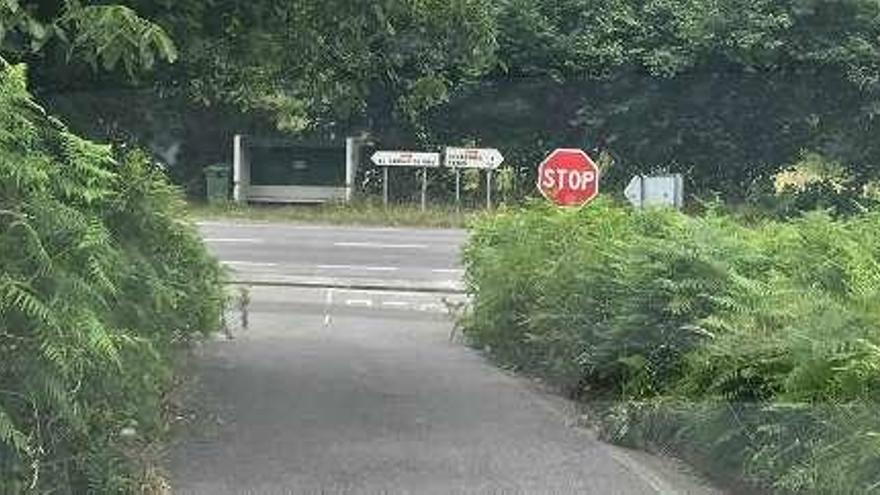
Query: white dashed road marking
(234, 240)
(395, 304)
(328, 303)
(377, 245)
(357, 267)
(359, 302)
(250, 263)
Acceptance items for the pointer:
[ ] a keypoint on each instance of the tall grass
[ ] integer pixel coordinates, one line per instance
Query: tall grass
(752, 350)
(361, 212)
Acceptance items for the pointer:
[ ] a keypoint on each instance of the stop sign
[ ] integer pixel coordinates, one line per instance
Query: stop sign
(568, 177)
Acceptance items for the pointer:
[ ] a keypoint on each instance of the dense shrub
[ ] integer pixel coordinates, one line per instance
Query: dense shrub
(99, 280)
(751, 349)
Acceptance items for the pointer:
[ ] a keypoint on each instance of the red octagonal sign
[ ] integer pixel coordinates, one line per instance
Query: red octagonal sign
(568, 177)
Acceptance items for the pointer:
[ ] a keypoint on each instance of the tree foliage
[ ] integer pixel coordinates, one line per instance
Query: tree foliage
(726, 91)
(99, 34)
(317, 64)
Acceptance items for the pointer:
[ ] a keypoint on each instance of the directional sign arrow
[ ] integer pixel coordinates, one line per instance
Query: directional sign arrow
(485, 158)
(633, 191)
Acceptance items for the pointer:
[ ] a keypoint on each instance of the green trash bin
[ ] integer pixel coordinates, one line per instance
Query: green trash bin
(217, 183)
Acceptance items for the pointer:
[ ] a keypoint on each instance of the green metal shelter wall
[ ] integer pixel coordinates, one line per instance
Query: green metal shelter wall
(297, 166)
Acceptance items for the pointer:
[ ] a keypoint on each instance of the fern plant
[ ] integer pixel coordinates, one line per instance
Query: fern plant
(752, 349)
(101, 278)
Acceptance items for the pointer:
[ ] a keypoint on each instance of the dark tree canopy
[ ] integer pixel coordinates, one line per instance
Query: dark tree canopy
(727, 91)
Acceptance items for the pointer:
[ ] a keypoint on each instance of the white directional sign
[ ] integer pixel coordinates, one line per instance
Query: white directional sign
(405, 159)
(485, 158)
(660, 190)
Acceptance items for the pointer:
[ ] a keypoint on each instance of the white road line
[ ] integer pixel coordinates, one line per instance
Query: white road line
(359, 302)
(395, 304)
(234, 240)
(447, 270)
(359, 267)
(377, 245)
(328, 303)
(430, 307)
(291, 226)
(402, 293)
(249, 263)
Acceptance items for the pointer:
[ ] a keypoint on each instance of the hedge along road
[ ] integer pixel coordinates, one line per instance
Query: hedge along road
(345, 389)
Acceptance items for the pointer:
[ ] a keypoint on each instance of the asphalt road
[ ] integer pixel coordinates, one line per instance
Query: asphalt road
(316, 255)
(346, 391)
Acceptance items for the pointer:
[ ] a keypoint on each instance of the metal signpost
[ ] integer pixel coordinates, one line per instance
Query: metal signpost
(487, 159)
(422, 160)
(657, 190)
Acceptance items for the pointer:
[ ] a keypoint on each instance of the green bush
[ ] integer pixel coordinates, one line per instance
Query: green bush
(100, 280)
(751, 349)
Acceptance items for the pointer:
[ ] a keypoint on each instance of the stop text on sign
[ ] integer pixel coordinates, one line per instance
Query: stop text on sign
(563, 178)
(568, 177)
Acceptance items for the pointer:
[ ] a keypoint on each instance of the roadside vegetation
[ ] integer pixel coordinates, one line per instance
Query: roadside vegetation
(358, 213)
(101, 281)
(746, 344)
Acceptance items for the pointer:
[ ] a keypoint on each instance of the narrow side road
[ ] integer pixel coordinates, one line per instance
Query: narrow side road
(361, 391)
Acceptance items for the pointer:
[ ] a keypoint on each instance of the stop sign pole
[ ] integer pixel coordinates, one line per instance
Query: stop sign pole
(568, 178)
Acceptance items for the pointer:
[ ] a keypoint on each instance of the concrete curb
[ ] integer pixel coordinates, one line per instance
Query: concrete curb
(352, 284)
